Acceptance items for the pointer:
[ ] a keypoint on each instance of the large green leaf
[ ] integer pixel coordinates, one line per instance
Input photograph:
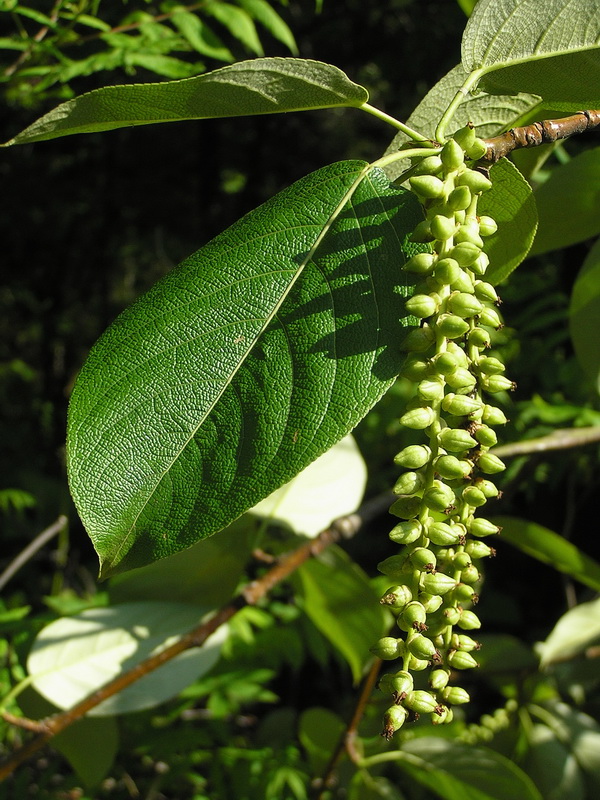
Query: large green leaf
(574, 186)
(455, 771)
(491, 114)
(340, 601)
(550, 548)
(74, 656)
(511, 203)
(259, 86)
(241, 366)
(553, 768)
(584, 314)
(549, 49)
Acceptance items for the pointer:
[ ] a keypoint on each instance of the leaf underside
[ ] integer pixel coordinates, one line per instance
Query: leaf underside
(259, 86)
(241, 366)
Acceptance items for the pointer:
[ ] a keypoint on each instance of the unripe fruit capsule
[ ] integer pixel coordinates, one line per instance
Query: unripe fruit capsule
(394, 567)
(444, 363)
(418, 664)
(427, 186)
(422, 233)
(431, 602)
(485, 291)
(447, 271)
(498, 383)
(422, 557)
(455, 695)
(414, 456)
(414, 615)
(489, 488)
(465, 253)
(402, 682)
(491, 318)
(464, 304)
(459, 659)
(473, 496)
(476, 181)
(421, 263)
(456, 440)
(465, 137)
(388, 648)
(393, 719)
(452, 155)
(490, 366)
(470, 575)
(419, 340)
(421, 647)
(493, 415)
(451, 326)
(407, 532)
(461, 378)
(459, 353)
(430, 391)
(438, 679)
(462, 283)
(466, 643)
(480, 338)
(421, 305)
(459, 198)
(409, 483)
(479, 526)
(469, 232)
(477, 150)
(477, 549)
(442, 716)
(421, 702)
(442, 227)
(468, 620)
(439, 498)
(487, 226)
(462, 593)
(418, 418)
(397, 597)
(452, 614)
(430, 165)
(415, 368)
(480, 265)
(460, 404)
(490, 464)
(442, 534)
(406, 507)
(437, 583)
(461, 560)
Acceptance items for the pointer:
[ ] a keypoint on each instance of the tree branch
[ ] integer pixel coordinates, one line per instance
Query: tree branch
(561, 439)
(544, 132)
(343, 528)
(40, 540)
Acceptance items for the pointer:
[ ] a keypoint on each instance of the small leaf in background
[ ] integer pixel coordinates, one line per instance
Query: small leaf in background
(174, 429)
(576, 186)
(575, 631)
(456, 771)
(237, 21)
(506, 41)
(511, 203)
(550, 548)
(200, 36)
(259, 86)
(584, 315)
(330, 487)
(338, 598)
(264, 13)
(552, 767)
(319, 732)
(365, 786)
(74, 656)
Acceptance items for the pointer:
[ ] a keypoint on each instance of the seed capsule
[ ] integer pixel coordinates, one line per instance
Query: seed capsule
(421, 647)
(470, 575)
(461, 378)
(459, 198)
(421, 305)
(430, 165)
(490, 366)
(464, 304)
(452, 156)
(493, 416)
(455, 695)
(476, 181)
(422, 558)
(477, 150)
(419, 340)
(415, 368)
(421, 263)
(444, 363)
(485, 292)
(422, 234)
(463, 283)
(437, 583)
(490, 464)
(396, 597)
(388, 648)
(407, 532)
(431, 602)
(491, 318)
(451, 469)
(427, 186)
(460, 404)
(466, 643)
(459, 659)
(394, 566)
(498, 383)
(442, 227)
(465, 253)
(480, 338)
(468, 621)
(481, 527)
(477, 549)
(451, 326)
(442, 534)
(466, 136)
(461, 560)
(447, 270)
(452, 614)
(439, 678)
(402, 682)
(409, 483)
(414, 615)
(393, 719)
(430, 391)
(456, 440)
(439, 498)
(473, 496)
(406, 507)
(487, 226)
(420, 701)
(418, 418)
(489, 488)
(414, 456)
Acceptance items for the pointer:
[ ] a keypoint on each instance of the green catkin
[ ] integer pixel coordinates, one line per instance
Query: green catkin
(448, 477)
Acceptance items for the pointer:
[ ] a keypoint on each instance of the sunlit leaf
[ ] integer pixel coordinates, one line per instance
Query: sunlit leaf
(575, 631)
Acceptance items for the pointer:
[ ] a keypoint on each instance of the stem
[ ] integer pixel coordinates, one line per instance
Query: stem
(343, 528)
(459, 97)
(28, 552)
(561, 439)
(413, 152)
(376, 112)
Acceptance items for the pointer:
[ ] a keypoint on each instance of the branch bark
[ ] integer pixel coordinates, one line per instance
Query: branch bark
(544, 132)
(343, 528)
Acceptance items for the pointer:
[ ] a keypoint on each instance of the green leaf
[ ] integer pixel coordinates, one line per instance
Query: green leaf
(242, 366)
(511, 203)
(456, 771)
(364, 786)
(163, 65)
(490, 114)
(260, 86)
(550, 548)
(319, 731)
(584, 315)
(206, 574)
(341, 603)
(548, 49)
(238, 23)
(467, 6)
(575, 631)
(552, 767)
(74, 656)
(270, 19)
(574, 186)
(200, 36)
(330, 487)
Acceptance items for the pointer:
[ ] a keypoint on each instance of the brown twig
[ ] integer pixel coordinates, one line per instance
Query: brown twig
(347, 740)
(544, 132)
(37, 38)
(40, 540)
(561, 439)
(343, 528)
